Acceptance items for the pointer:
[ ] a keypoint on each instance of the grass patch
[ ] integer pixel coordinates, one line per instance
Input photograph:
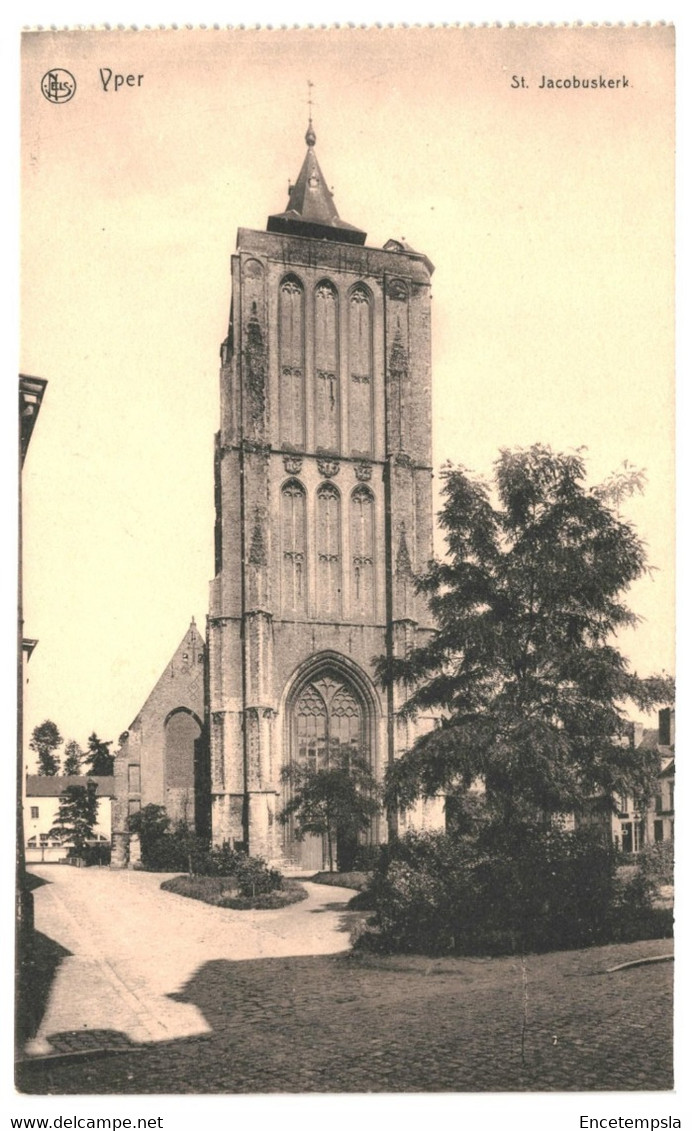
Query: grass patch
(222, 891)
(358, 881)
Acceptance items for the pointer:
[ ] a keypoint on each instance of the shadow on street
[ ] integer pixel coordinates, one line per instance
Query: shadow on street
(38, 977)
(345, 1023)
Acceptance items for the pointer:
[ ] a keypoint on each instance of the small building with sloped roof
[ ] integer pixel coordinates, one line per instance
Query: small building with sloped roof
(42, 795)
(163, 755)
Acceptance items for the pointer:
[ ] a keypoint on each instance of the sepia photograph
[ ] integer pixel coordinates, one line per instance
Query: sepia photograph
(346, 633)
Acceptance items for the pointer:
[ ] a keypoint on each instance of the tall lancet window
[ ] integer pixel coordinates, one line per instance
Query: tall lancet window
(292, 361)
(326, 367)
(328, 532)
(362, 550)
(293, 564)
(360, 369)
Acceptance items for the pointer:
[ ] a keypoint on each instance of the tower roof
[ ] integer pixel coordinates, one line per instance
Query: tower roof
(311, 210)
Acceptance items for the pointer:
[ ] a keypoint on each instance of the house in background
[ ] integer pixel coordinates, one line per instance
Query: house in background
(41, 806)
(632, 826)
(660, 816)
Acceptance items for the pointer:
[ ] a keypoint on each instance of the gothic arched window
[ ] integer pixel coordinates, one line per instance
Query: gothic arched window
(329, 722)
(292, 361)
(363, 552)
(360, 369)
(329, 719)
(326, 367)
(328, 532)
(293, 578)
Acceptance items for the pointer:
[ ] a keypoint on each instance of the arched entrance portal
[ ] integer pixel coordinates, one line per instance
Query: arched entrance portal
(328, 717)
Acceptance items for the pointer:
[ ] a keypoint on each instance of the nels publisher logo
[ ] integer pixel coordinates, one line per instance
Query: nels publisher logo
(58, 85)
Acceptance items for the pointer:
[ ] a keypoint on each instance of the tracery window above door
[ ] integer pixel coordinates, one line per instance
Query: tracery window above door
(329, 721)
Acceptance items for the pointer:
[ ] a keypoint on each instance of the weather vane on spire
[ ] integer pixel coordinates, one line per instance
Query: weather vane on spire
(310, 137)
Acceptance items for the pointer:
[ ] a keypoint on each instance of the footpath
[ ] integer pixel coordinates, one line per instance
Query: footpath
(131, 947)
(160, 994)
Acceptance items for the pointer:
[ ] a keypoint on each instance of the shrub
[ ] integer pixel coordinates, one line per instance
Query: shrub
(367, 857)
(266, 901)
(655, 862)
(164, 849)
(180, 850)
(356, 880)
(415, 892)
(508, 890)
(254, 877)
(177, 851)
(97, 854)
(221, 861)
(223, 891)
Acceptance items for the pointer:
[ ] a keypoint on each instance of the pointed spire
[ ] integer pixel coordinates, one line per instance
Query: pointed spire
(311, 210)
(310, 137)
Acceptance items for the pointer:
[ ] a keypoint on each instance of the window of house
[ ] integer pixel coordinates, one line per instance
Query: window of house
(134, 778)
(34, 812)
(658, 831)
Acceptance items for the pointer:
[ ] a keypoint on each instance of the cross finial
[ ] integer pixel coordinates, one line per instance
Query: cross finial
(310, 137)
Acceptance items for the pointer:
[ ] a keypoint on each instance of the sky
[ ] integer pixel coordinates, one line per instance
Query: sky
(548, 215)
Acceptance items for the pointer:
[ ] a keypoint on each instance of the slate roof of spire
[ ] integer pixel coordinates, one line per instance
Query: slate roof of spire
(311, 210)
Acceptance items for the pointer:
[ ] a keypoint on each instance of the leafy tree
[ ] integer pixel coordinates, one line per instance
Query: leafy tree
(523, 669)
(625, 481)
(99, 757)
(74, 756)
(45, 740)
(77, 815)
(336, 800)
(150, 824)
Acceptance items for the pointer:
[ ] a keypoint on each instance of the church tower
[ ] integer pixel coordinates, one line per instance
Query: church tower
(323, 507)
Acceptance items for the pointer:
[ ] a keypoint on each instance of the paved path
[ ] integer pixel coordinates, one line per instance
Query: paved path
(133, 947)
(220, 1001)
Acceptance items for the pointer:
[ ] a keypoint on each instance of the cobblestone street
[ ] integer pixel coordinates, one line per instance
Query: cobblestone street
(339, 1023)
